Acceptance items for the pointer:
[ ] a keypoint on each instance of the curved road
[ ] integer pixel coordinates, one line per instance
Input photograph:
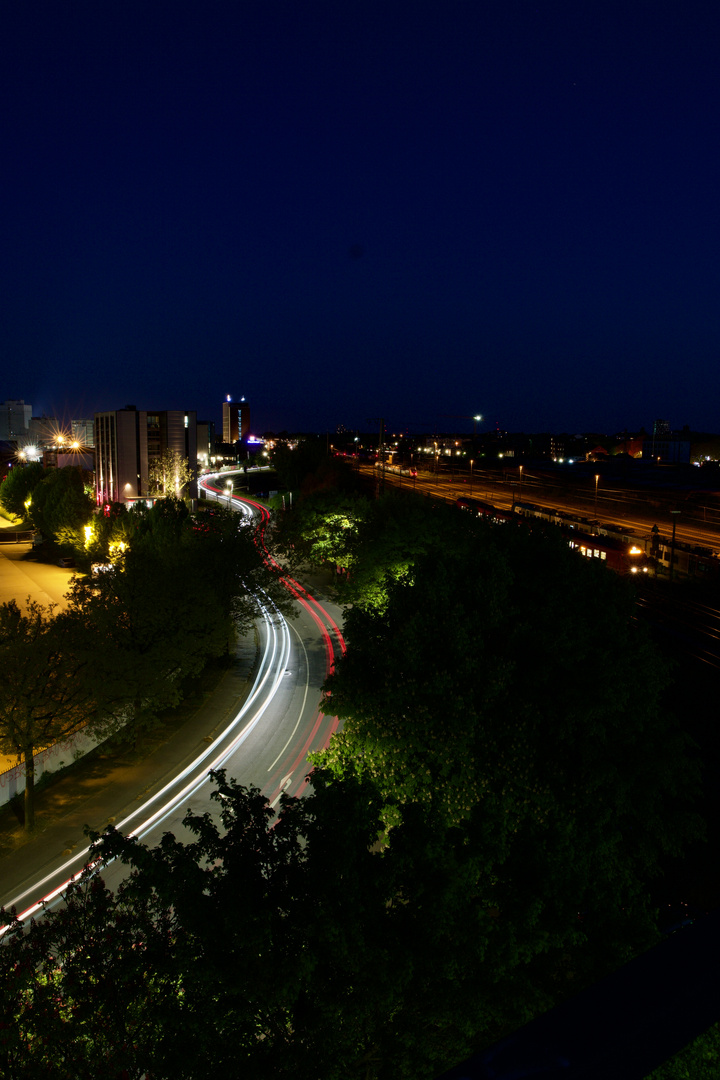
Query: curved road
(265, 744)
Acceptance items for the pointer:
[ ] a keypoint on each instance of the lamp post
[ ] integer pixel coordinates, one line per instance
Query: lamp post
(520, 488)
(672, 544)
(597, 477)
(229, 488)
(471, 465)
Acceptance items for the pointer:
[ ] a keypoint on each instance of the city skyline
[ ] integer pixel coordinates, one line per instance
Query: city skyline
(410, 212)
(64, 427)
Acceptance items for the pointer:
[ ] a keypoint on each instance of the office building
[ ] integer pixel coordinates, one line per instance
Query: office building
(83, 432)
(15, 419)
(236, 420)
(128, 441)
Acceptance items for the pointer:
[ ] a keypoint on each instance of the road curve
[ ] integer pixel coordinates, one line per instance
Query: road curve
(264, 744)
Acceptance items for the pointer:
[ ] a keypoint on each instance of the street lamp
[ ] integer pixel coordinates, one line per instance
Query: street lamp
(520, 488)
(229, 488)
(597, 477)
(471, 465)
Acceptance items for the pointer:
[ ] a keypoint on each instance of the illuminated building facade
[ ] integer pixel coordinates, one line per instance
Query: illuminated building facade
(128, 441)
(236, 420)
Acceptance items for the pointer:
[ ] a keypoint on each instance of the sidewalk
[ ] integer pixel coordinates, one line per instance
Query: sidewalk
(106, 785)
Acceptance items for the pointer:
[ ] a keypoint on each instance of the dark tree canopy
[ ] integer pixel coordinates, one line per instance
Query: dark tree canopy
(493, 672)
(18, 485)
(294, 464)
(289, 948)
(60, 506)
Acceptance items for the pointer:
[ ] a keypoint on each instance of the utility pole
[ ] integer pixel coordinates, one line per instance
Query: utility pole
(381, 449)
(672, 543)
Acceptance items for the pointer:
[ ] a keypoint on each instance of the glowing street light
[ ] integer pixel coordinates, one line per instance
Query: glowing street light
(471, 465)
(597, 477)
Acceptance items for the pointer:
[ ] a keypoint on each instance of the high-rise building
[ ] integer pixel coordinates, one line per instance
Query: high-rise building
(83, 432)
(236, 420)
(15, 419)
(128, 441)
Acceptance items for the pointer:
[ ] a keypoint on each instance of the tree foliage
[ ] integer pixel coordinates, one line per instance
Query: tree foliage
(60, 506)
(18, 486)
(294, 464)
(44, 694)
(318, 530)
(293, 947)
(169, 474)
(183, 586)
(110, 536)
(491, 667)
(698, 1061)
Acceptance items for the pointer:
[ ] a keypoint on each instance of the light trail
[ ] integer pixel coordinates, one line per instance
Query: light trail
(268, 680)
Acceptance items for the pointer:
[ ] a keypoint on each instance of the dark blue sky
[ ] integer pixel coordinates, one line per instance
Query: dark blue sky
(363, 208)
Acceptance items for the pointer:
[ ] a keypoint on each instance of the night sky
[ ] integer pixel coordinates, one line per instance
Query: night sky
(363, 208)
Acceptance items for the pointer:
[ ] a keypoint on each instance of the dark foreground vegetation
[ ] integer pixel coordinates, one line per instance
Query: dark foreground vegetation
(481, 840)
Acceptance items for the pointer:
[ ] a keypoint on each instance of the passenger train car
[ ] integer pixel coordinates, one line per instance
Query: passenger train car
(622, 553)
(618, 546)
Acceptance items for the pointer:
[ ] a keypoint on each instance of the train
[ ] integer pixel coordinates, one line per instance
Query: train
(398, 470)
(620, 547)
(484, 510)
(688, 560)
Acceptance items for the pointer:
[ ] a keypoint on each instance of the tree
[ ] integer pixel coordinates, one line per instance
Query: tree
(273, 947)
(18, 486)
(293, 465)
(44, 694)
(181, 589)
(169, 474)
(700, 1060)
(494, 669)
(319, 530)
(61, 507)
(111, 533)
